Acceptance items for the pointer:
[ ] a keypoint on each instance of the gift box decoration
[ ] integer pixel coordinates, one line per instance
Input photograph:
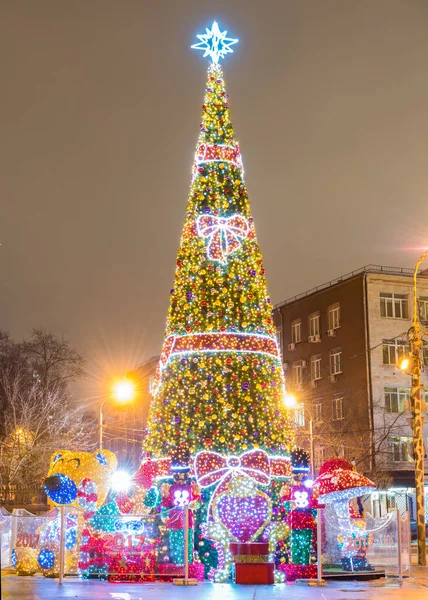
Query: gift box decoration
(255, 552)
(254, 573)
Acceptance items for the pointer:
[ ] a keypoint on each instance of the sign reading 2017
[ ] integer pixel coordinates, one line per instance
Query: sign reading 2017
(120, 541)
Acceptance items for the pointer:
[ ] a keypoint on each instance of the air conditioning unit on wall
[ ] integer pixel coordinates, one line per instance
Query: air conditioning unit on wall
(333, 378)
(331, 333)
(314, 383)
(291, 346)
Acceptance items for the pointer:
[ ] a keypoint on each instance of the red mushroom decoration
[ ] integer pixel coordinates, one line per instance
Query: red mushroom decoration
(337, 483)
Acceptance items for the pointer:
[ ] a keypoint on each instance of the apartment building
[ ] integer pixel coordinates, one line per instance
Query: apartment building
(341, 345)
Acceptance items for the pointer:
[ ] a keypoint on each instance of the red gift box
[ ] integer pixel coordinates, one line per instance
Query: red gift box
(254, 573)
(248, 549)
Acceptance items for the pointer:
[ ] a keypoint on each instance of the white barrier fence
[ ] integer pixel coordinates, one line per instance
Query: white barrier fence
(369, 544)
(118, 547)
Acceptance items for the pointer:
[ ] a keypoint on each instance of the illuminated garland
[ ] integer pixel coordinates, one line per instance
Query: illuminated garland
(217, 153)
(215, 342)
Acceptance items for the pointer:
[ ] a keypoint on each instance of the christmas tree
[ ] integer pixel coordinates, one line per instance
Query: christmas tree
(220, 383)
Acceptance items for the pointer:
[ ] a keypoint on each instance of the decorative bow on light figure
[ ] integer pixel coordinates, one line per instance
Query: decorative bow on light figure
(223, 233)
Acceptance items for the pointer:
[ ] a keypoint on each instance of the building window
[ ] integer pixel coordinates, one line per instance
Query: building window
(396, 399)
(336, 365)
(296, 331)
(394, 305)
(394, 351)
(316, 367)
(337, 408)
(299, 416)
(423, 309)
(314, 325)
(298, 372)
(317, 410)
(425, 353)
(400, 448)
(334, 316)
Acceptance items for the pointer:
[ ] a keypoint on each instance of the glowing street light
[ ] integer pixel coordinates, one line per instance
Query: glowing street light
(404, 364)
(124, 391)
(290, 401)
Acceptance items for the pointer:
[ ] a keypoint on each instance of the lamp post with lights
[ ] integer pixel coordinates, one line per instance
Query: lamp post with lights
(123, 391)
(412, 365)
(291, 402)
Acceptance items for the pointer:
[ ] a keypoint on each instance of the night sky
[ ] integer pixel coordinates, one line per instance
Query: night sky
(100, 111)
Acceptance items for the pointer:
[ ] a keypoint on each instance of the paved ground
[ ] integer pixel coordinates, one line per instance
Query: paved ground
(38, 588)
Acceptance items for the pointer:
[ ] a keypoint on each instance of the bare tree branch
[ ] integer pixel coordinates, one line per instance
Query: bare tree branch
(38, 413)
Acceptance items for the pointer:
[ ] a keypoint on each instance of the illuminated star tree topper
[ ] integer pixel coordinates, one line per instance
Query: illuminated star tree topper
(215, 43)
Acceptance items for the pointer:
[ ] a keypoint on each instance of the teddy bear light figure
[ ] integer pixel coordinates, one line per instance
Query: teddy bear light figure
(79, 480)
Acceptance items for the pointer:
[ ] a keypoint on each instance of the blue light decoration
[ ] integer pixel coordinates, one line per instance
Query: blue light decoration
(129, 525)
(214, 43)
(70, 538)
(46, 558)
(60, 488)
(51, 533)
(101, 459)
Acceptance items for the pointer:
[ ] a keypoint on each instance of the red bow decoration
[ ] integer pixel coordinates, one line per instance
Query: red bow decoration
(211, 467)
(224, 234)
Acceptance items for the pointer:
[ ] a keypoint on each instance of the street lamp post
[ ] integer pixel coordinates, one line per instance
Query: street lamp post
(291, 402)
(415, 335)
(123, 391)
(311, 446)
(101, 423)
